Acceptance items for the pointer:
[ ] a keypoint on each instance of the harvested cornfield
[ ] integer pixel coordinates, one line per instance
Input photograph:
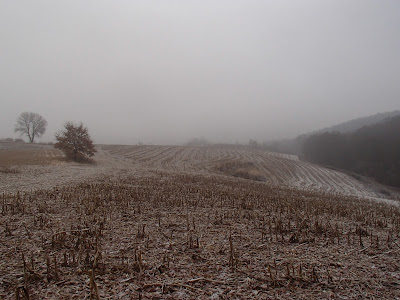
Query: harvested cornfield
(139, 230)
(274, 168)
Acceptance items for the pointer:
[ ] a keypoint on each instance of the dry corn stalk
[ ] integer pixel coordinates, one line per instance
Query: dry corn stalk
(94, 290)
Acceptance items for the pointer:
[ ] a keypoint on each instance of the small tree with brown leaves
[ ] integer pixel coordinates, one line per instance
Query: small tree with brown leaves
(75, 142)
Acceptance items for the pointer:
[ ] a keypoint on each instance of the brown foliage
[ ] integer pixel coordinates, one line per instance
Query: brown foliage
(75, 142)
(246, 170)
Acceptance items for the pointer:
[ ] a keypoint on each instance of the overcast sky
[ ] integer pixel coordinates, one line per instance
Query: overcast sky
(168, 71)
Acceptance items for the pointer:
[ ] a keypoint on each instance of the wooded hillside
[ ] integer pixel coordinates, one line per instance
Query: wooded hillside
(372, 150)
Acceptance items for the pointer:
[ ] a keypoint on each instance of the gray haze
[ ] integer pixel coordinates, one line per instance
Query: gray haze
(168, 71)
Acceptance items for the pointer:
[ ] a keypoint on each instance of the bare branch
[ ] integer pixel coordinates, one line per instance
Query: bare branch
(31, 124)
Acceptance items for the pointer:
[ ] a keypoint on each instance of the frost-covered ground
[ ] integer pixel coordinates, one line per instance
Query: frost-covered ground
(160, 222)
(42, 167)
(279, 169)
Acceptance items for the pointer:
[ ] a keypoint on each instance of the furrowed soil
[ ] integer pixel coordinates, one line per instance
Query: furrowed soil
(169, 222)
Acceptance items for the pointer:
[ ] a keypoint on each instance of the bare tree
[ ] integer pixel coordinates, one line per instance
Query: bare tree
(75, 142)
(31, 124)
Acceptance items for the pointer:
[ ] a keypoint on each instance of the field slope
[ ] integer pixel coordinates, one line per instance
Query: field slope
(277, 169)
(169, 222)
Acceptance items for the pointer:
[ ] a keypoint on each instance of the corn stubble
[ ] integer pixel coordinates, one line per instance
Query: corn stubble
(171, 236)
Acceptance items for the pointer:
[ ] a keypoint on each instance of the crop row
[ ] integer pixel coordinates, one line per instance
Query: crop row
(187, 235)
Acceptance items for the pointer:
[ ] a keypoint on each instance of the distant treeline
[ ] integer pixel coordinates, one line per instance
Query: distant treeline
(9, 140)
(372, 150)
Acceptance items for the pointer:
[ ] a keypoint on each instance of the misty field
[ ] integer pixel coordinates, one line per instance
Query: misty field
(12, 154)
(212, 222)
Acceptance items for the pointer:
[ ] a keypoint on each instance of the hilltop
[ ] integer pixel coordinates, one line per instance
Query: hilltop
(295, 145)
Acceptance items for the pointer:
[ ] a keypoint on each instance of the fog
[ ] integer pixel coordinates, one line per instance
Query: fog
(164, 72)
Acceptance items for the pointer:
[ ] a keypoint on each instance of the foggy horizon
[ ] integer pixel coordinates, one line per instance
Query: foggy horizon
(167, 72)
